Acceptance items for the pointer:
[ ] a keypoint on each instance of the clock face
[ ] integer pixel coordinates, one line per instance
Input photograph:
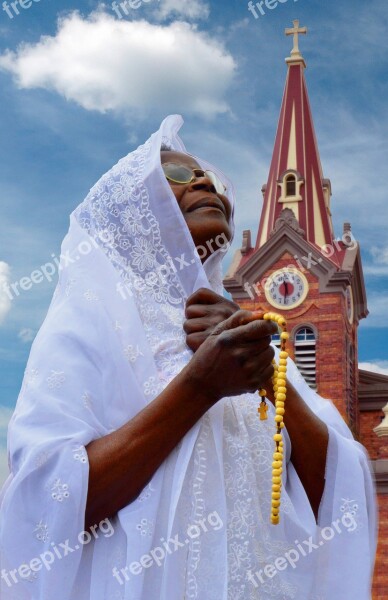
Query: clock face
(349, 304)
(286, 289)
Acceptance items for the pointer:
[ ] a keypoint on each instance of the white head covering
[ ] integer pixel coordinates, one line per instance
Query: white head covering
(111, 341)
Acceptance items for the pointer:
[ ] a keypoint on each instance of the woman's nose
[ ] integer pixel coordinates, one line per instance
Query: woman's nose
(202, 182)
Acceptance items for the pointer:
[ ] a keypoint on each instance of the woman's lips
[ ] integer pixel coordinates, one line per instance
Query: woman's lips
(208, 203)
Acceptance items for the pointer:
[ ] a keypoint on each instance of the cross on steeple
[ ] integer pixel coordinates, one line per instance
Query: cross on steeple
(295, 31)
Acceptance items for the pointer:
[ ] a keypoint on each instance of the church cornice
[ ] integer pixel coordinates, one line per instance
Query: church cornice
(285, 240)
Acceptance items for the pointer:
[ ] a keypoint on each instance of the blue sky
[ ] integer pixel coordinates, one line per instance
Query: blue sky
(80, 88)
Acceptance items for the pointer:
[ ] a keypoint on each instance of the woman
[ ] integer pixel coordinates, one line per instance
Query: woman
(140, 470)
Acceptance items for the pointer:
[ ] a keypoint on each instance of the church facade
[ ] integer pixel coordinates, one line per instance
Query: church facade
(296, 266)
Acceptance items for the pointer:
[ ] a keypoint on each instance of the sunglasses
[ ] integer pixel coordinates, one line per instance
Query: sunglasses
(182, 174)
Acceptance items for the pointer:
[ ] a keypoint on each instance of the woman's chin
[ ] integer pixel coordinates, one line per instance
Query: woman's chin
(207, 234)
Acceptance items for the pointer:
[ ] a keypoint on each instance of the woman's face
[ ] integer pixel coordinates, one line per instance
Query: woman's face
(206, 212)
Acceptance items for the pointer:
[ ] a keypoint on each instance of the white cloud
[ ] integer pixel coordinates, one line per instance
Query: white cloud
(189, 9)
(377, 306)
(5, 301)
(377, 271)
(377, 366)
(26, 335)
(379, 266)
(105, 64)
(380, 255)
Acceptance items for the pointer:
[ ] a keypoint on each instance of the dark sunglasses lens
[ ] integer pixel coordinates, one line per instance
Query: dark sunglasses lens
(178, 173)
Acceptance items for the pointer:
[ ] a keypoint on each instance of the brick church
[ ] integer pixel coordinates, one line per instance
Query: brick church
(298, 267)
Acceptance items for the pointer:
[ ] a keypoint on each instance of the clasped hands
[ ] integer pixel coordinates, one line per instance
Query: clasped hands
(232, 351)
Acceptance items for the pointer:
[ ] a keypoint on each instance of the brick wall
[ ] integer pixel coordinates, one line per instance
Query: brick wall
(380, 579)
(368, 421)
(327, 312)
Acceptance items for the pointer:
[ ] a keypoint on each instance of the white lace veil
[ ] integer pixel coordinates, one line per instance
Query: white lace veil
(111, 341)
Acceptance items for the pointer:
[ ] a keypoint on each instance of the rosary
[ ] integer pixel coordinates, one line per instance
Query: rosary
(280, 390)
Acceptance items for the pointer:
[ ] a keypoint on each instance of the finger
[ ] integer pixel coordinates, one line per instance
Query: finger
(261, 379)
(260, 362)
(203, 296)
(218, 312)
(253, 331)
(256, 347)
(194, 325)
(244, 327)
(241, 317)
(256, 361)
(195, 340)
(195, 311)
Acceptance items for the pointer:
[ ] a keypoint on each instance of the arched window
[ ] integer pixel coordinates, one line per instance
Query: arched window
(305, 343)
(291, 185)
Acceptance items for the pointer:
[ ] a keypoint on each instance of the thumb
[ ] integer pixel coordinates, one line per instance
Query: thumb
(241, 317)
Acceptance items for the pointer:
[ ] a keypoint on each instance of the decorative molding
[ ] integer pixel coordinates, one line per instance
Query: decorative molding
(287, 217)
(372, 391)
(380, 470)
(284, 240)
(382, 429)
(246, 242)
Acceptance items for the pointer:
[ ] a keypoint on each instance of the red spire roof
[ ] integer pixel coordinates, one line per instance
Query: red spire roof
(295, 179)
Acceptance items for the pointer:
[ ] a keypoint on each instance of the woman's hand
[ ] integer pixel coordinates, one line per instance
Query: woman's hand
(232, 356)
(204, 310)
(235, 358)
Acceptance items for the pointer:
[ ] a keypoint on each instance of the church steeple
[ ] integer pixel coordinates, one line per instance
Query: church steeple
(295, 179)
(298, 267)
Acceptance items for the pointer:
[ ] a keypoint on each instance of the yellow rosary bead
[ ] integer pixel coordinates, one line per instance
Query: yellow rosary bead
(279, 382)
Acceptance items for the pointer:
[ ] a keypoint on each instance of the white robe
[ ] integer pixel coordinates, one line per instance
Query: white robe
(111, 341)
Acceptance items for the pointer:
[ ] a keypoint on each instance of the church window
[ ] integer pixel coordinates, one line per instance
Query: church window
(305, 354)
(291, 185)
